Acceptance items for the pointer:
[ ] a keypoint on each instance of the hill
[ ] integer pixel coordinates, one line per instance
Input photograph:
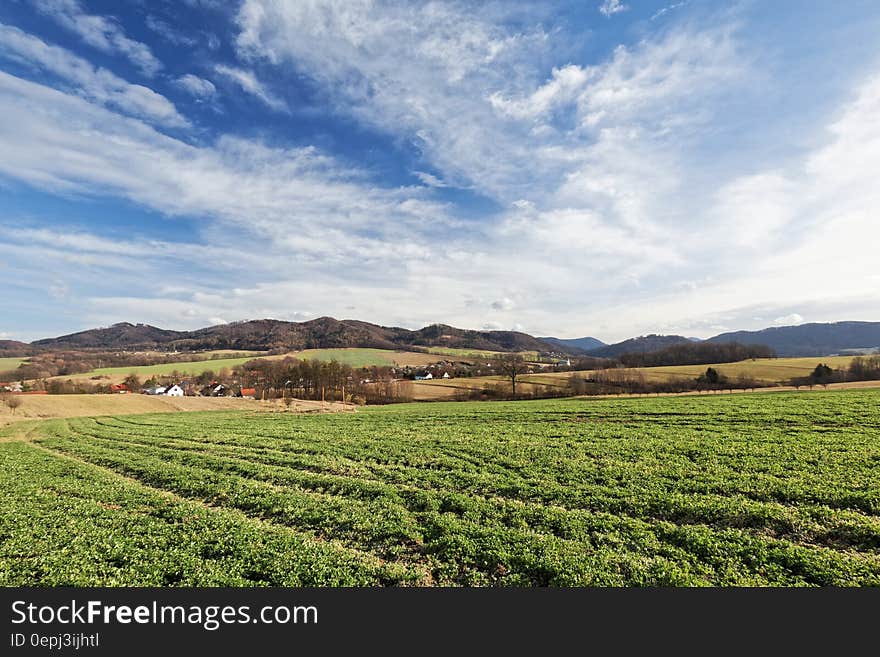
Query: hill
(11, 348)
(582, 344)
(119, 336)
(278, 335)
(640, 345)
(810, 339)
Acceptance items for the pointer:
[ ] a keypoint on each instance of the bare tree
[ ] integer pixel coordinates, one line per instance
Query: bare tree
(12, 401)
(132, 382)
(511, 366)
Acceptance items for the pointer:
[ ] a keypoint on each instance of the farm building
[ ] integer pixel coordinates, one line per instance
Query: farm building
(424, 376)
(249, 393)
(155, 390)
(214, 390)
(174, 391)
(120, 388)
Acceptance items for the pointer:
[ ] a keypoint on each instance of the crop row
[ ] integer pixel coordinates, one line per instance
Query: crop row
(763, 489)
(71, 524)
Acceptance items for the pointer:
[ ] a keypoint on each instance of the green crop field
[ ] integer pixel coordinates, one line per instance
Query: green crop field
(353, 357)
(10, 364)
(193, 367)
(765, 370)
(362, 357)
(751, 489)
(474, 353)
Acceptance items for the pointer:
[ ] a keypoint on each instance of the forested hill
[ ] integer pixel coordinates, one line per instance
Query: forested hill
(810, 339)
(271, 334)
(641, 345)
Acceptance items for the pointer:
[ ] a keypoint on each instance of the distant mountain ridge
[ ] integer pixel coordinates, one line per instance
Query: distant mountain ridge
(641, 345)
(813, 339)
(816, 339)
(584, 344)
(13, 348)
(273, 334)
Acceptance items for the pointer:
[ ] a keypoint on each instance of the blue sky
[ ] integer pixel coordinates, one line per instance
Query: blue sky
(599, 167)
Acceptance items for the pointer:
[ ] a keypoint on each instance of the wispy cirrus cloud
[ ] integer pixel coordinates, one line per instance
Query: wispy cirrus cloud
(248, 82)
(200, 88)
(101, 32)
(168, 32)
(615, 206)
(610, 7)
(97, 84)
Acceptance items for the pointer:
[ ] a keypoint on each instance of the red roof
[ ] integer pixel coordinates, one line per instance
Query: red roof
(115, 388)
(248, 392)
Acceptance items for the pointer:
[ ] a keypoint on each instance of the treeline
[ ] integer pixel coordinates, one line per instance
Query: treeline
(625, 381)
(68, 363)
(697, 353)
(861, 368)
(327, 380)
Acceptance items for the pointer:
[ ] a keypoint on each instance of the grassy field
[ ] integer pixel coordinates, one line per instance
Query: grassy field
(357, 357)
(9, 364)
(353, 357)
(62, 406)
(769, 370)
(193, 367)
(748, 489)
(471, 353)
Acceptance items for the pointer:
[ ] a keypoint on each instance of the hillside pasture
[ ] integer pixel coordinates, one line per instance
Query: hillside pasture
(191, 368)
(359, 357)
(355, 357)
(770, 370)
(475, 354)
(11, 364)
(727, 490)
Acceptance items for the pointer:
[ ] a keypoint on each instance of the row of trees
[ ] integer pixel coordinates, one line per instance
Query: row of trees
(697, 353)
(861, 368)
(322, 380)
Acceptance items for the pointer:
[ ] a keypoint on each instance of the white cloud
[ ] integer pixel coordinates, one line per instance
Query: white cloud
(757, 209)
(610, 7)
(169, 32)
(504, 304)
(248, 82)
(565, 86)
(788, 320)
(196, 86)
(101, 32)
(423, 71)
(473, 96)
(96, 84)
(614, 219)
(665, 10)
(429, 179)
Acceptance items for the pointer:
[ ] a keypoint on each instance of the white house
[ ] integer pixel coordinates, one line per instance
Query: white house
(174, 391)
(424, 376)
(445, 375)
(156, 390)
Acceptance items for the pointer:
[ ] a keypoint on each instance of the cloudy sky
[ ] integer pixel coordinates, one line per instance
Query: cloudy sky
(592, 167)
